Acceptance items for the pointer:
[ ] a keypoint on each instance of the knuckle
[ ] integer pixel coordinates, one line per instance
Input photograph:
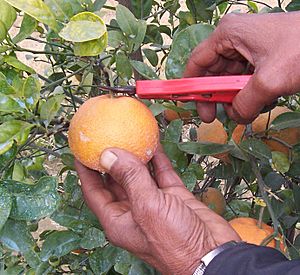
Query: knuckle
(243, 113)
(267, 86)
(147, 212)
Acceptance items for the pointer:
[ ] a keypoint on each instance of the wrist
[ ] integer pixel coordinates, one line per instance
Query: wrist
(205, 260)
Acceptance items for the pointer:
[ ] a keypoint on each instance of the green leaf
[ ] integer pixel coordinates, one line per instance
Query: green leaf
(142, 8)
(82, 30)
(126, 20)
(68, 160)
(280, 161)
(32, 202)
(5, 87)
(177, 157)
(14, 62)
(116, 39)
(9, 105)
(5, 206)
(134, 29)
(274, 180)
(173, 132)
(204, 148)
(62, 11)
(13, 131)
(296, 195)
(72, 190)
(153, 35)
(197, 170)
(3, 31)
(151, 56)
(98, 4)
(59, 244)
(199, 9)
(252, 6)
(143, 69)
(8, 14)
(183, 44)
(9, 155)
(87, 82)
(31, 91)
(5, 48)
(14, 79)
(18, 172)
(139, 37)
(38, 10)
(295, 169)
(293, 5)
(74, 219)
(102, 259)
(156, 108)
(174, 107)
(286, 120)
(123, 66)
(257, 149)
(28, 26)
(16, 236)
(13, 270)
(139, 267)
(50, 108)
(237, 208)
(91, 48)
(93, 238)
(189, 179)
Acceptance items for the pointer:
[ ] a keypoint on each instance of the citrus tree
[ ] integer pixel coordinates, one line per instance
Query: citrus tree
(87, 47)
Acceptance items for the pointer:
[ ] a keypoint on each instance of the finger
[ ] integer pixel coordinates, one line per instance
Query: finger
(235, 116)
(202, 57)
(134, 177)
(164, 172)
(111, 185)
(96, 196)
(206, 111)
(251, 100)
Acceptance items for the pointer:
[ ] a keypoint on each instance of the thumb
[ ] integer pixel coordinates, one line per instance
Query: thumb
(248, 103)
(128, 171)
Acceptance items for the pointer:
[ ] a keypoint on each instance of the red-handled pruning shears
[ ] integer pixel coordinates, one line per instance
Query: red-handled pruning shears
(218, 89)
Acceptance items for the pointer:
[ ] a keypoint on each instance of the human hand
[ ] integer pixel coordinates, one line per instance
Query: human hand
(269, 42)
(156, 218)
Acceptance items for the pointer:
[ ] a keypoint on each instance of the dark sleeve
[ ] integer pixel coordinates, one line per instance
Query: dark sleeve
(245, 259)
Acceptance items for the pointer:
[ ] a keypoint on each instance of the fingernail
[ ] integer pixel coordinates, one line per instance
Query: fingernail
(107, 159)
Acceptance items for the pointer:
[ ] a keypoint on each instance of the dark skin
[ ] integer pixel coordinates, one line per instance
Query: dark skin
(156, 217)
(138, 211)
(262, 44)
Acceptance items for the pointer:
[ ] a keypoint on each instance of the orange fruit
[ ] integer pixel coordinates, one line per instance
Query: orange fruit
(213, 132)
(248, 230)
(214, 199)
(171, 115)
(104, 121)
(291, 135)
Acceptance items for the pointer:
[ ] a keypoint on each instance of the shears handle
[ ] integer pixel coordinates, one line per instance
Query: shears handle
(218, 89)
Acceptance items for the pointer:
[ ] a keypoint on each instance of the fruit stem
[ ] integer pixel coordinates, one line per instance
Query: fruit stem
(260, 218)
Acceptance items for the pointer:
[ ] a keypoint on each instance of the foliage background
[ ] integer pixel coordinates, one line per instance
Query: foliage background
(151, 41)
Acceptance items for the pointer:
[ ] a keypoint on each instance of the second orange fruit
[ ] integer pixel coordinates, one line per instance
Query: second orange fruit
(250, 232)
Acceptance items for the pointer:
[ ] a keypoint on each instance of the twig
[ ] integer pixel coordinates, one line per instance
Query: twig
(47, 42)
(44, 149)
(262, 189)
(19, 49)
(57, 82)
